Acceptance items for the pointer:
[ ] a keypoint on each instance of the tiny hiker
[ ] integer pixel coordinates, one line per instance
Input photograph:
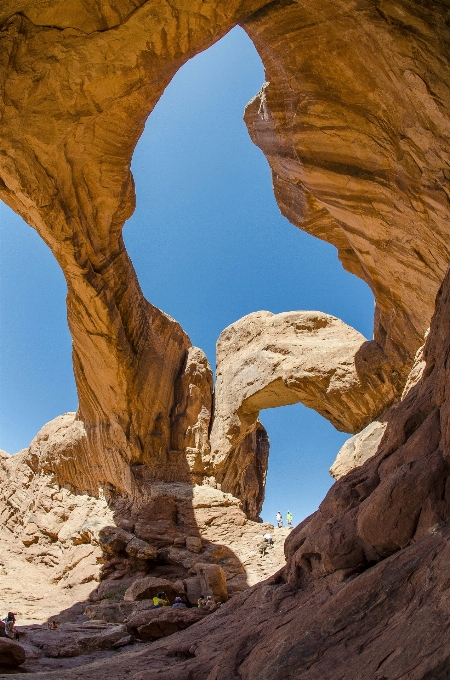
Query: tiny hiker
(178, 602)
(269, 540)
(289, 519)
(262, 548)
(279, 519)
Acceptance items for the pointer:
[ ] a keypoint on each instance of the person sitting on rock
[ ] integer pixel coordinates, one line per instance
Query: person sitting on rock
(178, 602)
(201, 602)
(52, 625)
(9, 626)
(211, 605)
(160, 601)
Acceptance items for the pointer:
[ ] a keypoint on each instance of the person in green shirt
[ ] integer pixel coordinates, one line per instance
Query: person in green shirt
(289, 519)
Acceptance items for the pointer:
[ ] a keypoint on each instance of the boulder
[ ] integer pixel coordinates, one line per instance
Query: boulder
(213, 581)
(71, 640)
(193, 588)
(148, 587)
(112, 612)
(194, 544)
(153, 624)
(141, 549)
(11, 654)
(358, 449)
(114, 540)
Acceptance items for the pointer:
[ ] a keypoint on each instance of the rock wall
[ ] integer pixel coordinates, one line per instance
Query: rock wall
(353, 119)
(78, 82)
(365, 589)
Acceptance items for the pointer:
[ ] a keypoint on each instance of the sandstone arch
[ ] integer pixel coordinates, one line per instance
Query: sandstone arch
(80, 83)
(354, 121)
(266, 360)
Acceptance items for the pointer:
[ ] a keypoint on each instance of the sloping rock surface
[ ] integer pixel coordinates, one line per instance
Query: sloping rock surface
(365, 590)
(353, 119)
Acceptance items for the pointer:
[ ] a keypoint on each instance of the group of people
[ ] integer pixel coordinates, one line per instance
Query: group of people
(288, 519)
(267, 541)
(7, 627)
(161, 600)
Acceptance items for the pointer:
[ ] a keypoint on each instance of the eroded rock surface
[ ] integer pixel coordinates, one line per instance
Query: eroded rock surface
(11, 654)
(266, 360)
(353, 119)
(365, 589)
(358, 449)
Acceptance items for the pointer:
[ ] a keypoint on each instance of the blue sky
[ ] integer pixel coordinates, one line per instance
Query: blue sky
(209, 245)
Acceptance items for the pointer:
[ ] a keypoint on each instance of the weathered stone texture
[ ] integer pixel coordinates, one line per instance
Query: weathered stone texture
(266, 360)
(78, 82)
(353, 119)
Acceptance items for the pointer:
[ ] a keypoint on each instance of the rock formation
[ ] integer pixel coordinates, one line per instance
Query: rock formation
(353, 119)
(266, 360)
(365, 589)
(81, 82)
(358, 449)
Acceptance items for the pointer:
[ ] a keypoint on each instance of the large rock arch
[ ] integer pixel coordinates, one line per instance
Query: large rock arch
(77, 87)
(353, 119)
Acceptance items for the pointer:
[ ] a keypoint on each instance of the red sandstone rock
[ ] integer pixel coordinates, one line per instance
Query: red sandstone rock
(148, 587)
(354, 122)
(153, 624)
(11, 654)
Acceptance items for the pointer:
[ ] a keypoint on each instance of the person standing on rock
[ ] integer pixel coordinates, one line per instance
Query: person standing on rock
(279, 519)
(289, 519)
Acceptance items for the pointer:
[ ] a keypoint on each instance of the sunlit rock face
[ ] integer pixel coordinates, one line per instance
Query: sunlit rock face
(78, 82)
(266, 360)
(353, 119)
(365, 588)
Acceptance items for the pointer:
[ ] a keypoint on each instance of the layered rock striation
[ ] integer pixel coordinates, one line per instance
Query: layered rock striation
(266, 360)
(353, 118)
(364, 592)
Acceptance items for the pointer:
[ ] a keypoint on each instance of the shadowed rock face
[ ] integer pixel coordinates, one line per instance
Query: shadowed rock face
(365, 591)
(353, 119)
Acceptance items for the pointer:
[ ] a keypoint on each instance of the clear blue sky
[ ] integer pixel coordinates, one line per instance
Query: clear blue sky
(209, 245)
